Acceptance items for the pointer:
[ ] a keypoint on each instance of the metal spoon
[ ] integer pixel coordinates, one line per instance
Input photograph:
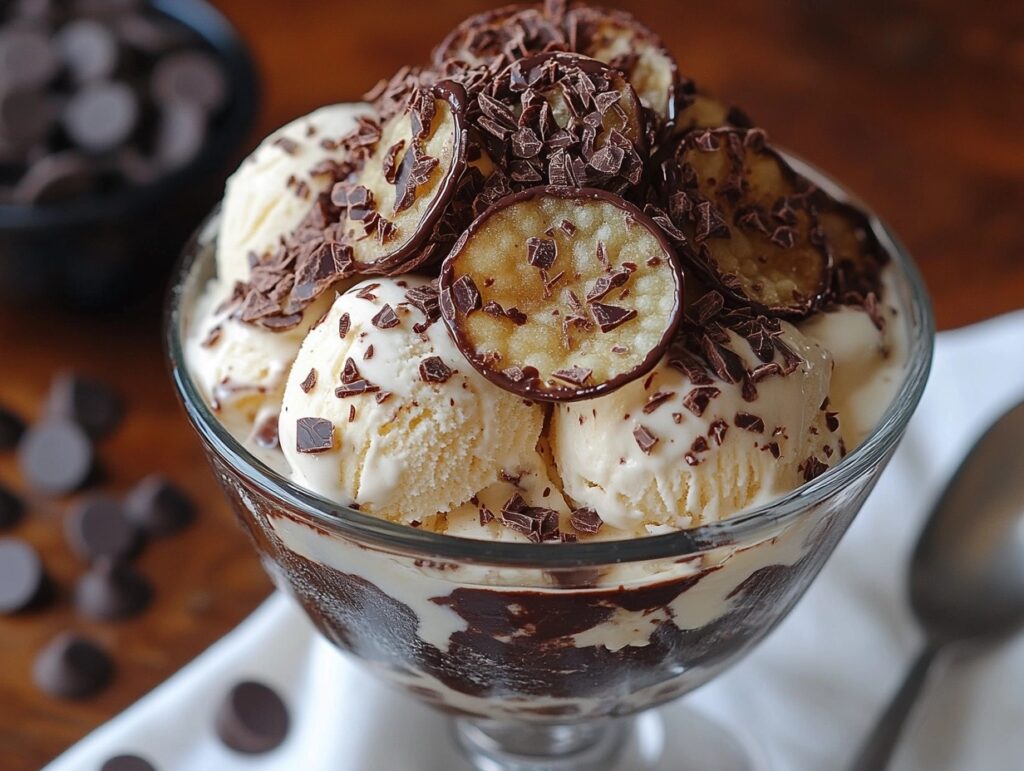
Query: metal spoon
(967, 572)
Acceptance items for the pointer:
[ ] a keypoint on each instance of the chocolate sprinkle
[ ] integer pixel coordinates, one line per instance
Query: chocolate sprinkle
(314, 435)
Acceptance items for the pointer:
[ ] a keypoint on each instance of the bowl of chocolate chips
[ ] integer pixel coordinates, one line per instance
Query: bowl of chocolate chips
(118, 121)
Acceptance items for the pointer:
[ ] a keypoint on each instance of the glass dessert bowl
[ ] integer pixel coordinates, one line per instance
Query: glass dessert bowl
(636, 495)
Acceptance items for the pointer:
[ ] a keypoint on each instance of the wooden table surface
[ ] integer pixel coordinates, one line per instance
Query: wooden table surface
(918, 107)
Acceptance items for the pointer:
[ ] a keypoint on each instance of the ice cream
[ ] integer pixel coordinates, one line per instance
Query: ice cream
(714, 453)
(491, 272)
(545, 290)
(273, 189)
(413, 429)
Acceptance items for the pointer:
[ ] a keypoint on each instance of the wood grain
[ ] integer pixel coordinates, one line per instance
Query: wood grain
(915, 106)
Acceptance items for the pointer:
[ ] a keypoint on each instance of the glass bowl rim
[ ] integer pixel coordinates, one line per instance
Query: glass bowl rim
(742, 527)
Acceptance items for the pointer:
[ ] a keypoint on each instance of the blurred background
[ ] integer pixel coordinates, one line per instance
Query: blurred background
(914, 106)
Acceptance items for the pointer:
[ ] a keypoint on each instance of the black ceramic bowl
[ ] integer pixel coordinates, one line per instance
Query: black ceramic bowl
(99, 252)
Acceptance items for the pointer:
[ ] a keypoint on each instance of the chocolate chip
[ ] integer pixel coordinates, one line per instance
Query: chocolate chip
(585, 520)
(92, 404)
(89, 49)
(541, 252)
(190, 76)
(111, 590)
(609, 317)
(252, 718)
(28, 57)
(22, 577)
(55, 178)
(313, 435)
(434, 370)
(101, 116)
(97, 526)
(11, 508)
(11, 429)
(127, 763)
(645, 440)
(56, 456)
(72, 667)
(158, 507)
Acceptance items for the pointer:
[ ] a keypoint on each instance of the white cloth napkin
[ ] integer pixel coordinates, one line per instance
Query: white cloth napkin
(803, 700)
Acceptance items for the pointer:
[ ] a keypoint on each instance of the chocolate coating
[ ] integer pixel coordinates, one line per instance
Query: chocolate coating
(527, 387)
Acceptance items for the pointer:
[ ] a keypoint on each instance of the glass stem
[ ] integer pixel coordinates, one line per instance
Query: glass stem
(493, 745)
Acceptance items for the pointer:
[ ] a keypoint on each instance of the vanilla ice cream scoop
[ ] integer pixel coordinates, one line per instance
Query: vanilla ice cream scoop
(241, 367)
(666, 452)
(275, 187)
(382, 410)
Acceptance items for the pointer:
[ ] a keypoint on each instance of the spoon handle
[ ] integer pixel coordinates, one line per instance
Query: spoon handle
(878, 748)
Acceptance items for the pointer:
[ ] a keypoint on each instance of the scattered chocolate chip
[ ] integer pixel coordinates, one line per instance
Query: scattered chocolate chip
(111, 590)
(645, 440)
(97, 526)
(72, 667)
(11, 508)
(252, 718)
(158, 507)
(127, 763)
(585, 520)
(434, 370)
(92, 404)
(11, 429)
(22, 577)
(314, 435)
(55, 456)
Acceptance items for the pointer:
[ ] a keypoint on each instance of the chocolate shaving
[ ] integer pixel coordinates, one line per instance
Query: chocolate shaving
(344, 325)
(645, 440)
(585, 520)
(699, 398)
(717, 431)
(434, 370)
(609, 317)
(656, 399)
(313, 435)
(465, 295)
(575, 375)
(309, 383)
(541, 252)
(749, 422)
(385, 318)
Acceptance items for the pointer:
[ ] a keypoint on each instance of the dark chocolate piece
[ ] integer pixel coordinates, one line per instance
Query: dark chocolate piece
(645, 440)
(22, 577)
(56, 456)
(434, 370)
(111, 590)
(11, 508)
(91, 403)
(158, 507)
(127, 763)
(314, 435)
(97, 527)
(72, 667)
(11, 429)
(252, 718)
(585, 520)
